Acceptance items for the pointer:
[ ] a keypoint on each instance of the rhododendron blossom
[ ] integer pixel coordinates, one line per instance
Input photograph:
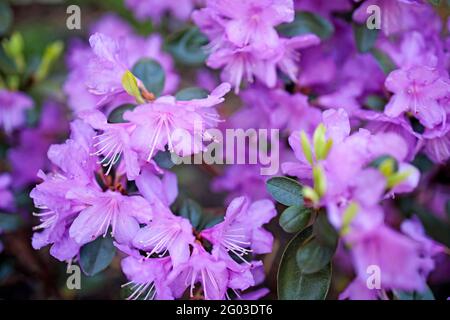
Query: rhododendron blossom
(225, 150)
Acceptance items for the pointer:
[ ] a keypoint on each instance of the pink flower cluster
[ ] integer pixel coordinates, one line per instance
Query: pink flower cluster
(245, 43)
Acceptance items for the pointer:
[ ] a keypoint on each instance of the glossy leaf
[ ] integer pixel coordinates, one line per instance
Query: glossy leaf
(365, 38)
(163, 159)
(192, 211)
(191, 93)
(187, 46)
(384, 61)
(6, 17)
(116, 116)
(151, 74)
(286, 191)
(294, 218)
(307, 22)
(426, 294)
(314, 256)
(293, 284)
(97, 255)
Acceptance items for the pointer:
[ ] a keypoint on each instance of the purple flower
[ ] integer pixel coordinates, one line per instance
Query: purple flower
(178, 124)
(155, 9)
(103, 210)
(201, 268)
(398, 257)
(418, 90)
(358, 290)
(148, 277)
(244, 42)
(113, 143)
(12, 109)
(396, 15)
(253, 21)
(241, 232)
(323, 7)
(168, 233)
(240, 180)
(33, 144)
(96, 73)
(437, 144)
(160, 192)
(6, 196)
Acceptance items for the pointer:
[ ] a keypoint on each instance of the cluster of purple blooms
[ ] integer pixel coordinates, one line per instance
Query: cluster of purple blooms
(245, 43)
(356, 195)
(86, 195)
(334, 140)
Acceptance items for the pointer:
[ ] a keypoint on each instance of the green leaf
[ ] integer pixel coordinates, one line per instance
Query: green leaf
(13, 48)
(324, 232)
(365, 38)
(51, 54)
(378, 162)
(375, 102)
(163, 159)
(384, 61)
(192, 211)
(294, 218)
(313, 256)
(130, 85)
(97, 255)
(7, 65)
(293, 284)
(209, 220)
(286, 191)
(435, 2)
(187, 45)
(6, 17)
(437, 228)
(427, 294)
(9, 222)
(151, 74)
(307, 22)
(191, 93)
(116, 116)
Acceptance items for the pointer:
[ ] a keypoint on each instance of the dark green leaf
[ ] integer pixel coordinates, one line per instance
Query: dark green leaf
(187, 46)
(116, 116)
(365, 38)
(307, 22)
(209, 221)
(427, 294)
(294, 219)
(435, 2)
(385, 62)
(325, 232)
(6, 17)
(436, 228)
(192, 211)
(423, 163)
(9, 221)
(378, 161)
(97, 255)
(163, 159)
(285, 190)
(191, 93)
(293, 284)
(313, 256)
(7, 65)
(375, 102)
(151, 74)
